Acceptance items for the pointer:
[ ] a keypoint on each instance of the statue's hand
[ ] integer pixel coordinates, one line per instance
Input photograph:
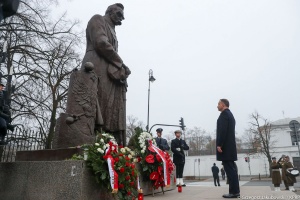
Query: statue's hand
(127, 70)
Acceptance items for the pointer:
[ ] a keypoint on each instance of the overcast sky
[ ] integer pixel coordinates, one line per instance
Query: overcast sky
(204, 50)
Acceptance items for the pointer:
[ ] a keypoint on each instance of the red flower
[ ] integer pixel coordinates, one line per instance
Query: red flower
(132, 166)
(127, 158)
(149, 158)
(127, 178)
(127, 164)
(131, 183)
(105, 157)
(128, 193)
(158, 158)
(154, 176)
(120, 146)
(139, 159)
(122, 170)
(159, 169)
(116, 159)
(121, 186)
(120, 154)
(132, 173)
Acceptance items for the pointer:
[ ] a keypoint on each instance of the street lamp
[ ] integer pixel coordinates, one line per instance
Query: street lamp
(151, 79)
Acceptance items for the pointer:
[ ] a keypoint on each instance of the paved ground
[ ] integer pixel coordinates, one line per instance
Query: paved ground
(250, 189)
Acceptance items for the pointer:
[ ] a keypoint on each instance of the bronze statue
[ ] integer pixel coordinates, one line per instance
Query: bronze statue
(102, 51)
(107, 110)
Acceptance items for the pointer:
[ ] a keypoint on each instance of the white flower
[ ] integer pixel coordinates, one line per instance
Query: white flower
(122, 150)
(97, 144)
(142, 151)
(135, 160)
(107, 145)
(129, 156)
(113, 148)
(100, 150)
(132, 153)
(127, 149)
(101, 140)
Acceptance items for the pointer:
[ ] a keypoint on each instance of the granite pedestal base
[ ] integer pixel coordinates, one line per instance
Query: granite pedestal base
(54, 180)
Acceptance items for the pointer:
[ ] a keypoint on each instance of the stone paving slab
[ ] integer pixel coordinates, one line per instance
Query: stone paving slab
(205, 191)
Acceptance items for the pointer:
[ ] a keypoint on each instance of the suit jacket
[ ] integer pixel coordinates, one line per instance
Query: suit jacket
(162, 144)
(177, 147)
(226, 136)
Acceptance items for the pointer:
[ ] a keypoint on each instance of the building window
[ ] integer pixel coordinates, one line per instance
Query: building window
(295, 138)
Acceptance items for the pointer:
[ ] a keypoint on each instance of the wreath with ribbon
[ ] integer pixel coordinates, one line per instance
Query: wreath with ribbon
(113, 166)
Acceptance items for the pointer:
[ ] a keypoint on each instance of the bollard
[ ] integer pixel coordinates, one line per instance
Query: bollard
(259, 176)
(239, 177)
(179, 188)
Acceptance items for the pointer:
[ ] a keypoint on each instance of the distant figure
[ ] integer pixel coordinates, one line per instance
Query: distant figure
(161, 142)
(223, 173)
(286, 175)
(215, 171)
(226, 147)
(178, 146)
(102, 51)
(5, 117)
(276, 178)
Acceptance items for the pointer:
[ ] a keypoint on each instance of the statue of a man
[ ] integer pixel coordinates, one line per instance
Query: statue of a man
(102, 51)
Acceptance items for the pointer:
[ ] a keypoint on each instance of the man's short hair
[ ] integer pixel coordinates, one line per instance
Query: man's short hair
(225, 101)
(112, 7)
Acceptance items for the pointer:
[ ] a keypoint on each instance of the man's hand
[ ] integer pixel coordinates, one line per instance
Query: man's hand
(219, 149)
(127, 70)
(178, 149)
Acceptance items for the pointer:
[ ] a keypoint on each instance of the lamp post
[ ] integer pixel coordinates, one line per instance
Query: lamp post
(151, 79)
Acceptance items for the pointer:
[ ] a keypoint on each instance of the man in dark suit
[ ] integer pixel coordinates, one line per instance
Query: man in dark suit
(226, 147)
(178, 146)
(215, 171)
(161, 142)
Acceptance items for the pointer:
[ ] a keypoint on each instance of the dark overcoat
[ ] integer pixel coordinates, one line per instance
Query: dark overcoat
(102, 51)
(226, 136)
(215, 171)
(162, 143)
(177, 147)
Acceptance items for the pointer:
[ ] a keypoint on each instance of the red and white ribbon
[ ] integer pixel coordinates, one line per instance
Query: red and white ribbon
(161, 154)
(111, 168)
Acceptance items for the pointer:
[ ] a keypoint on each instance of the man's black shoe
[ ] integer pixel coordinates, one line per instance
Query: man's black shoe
(183, 185)
(231, 195)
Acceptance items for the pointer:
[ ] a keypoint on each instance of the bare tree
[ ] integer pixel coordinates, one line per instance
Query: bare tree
(131, 125)
(41, 54)
(197, 139)
(261, 130)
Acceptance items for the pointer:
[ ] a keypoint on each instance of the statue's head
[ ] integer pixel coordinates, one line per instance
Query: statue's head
(115, 13)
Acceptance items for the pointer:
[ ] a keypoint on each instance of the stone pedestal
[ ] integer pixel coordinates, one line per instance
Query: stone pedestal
(53, 180)
(49, 180)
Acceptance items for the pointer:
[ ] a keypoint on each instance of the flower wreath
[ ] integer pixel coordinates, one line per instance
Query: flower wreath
(156, 164)
(113, 166)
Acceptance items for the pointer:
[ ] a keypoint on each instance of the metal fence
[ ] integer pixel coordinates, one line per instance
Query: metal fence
(21, 140)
